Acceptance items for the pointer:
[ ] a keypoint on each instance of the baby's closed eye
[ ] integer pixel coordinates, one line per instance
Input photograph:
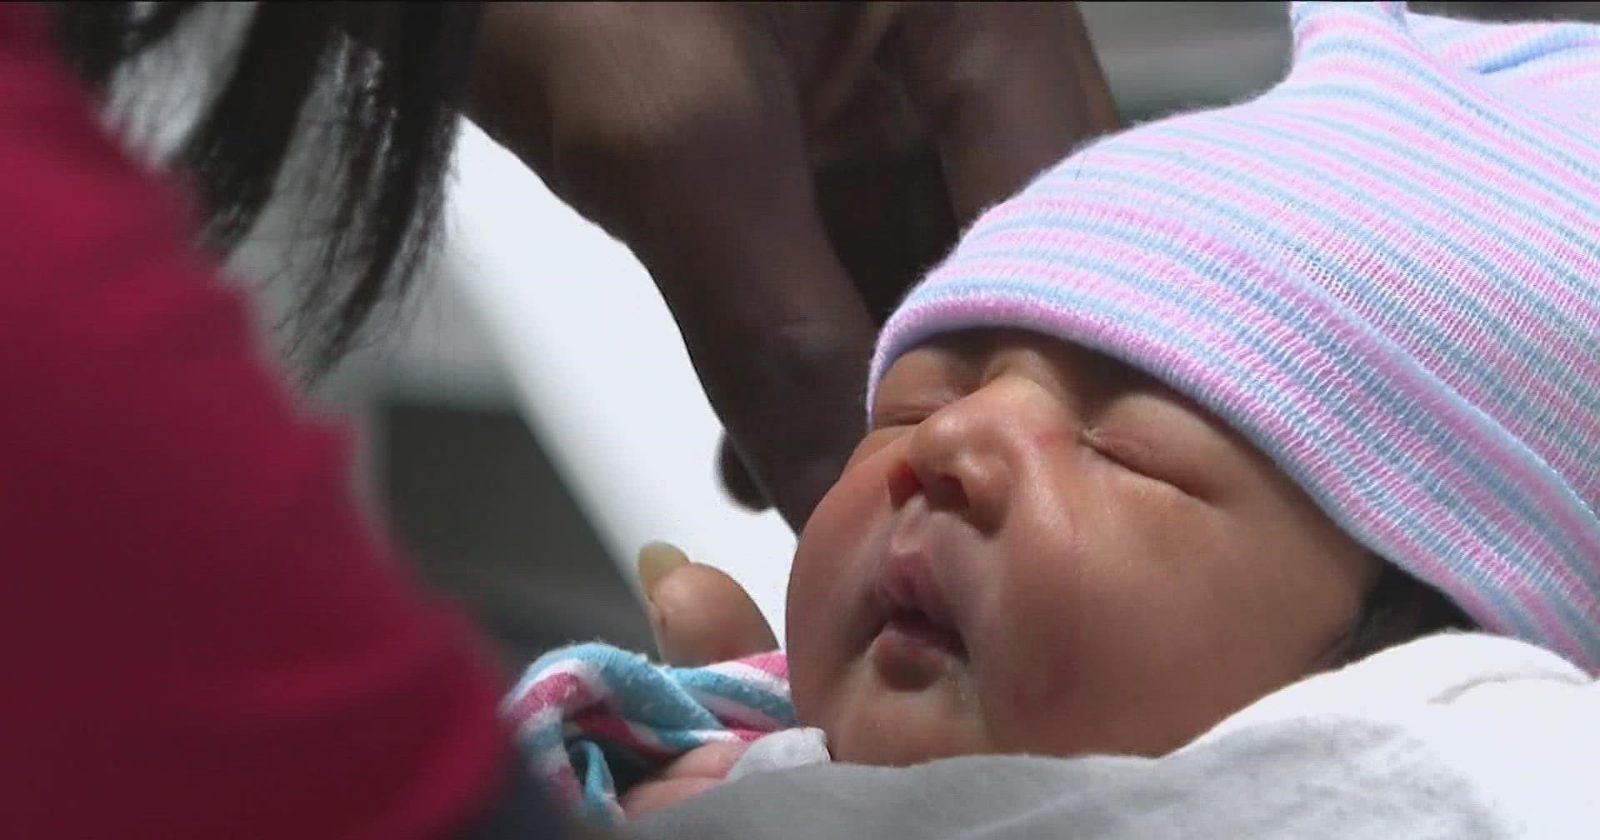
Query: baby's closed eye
(1131, 453)
(1160, 438)
(1123, 450)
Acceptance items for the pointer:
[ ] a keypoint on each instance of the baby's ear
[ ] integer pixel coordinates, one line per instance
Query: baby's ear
(698, 613)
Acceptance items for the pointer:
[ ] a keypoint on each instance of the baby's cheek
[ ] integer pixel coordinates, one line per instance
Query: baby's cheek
(830, 620)
(811, 641)
(1030, 703)
(821, 593)
(1034, 654)
(836, 556)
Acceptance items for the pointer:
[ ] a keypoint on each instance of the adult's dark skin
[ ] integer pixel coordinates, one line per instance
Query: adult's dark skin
(785, 172)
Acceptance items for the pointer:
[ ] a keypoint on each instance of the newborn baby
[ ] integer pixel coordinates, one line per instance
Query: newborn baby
(1216, 404)
(1039, 549)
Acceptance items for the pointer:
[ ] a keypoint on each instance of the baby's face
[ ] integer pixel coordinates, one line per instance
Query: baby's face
(1038, 549)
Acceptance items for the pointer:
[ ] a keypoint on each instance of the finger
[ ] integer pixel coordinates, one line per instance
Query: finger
(676, 128)
(654, 796)
(737, 481)
(655, 561)
(691, 774)
(712, 761)
(713, 192)
(701, 615)
(1028, 69)
(772, 322)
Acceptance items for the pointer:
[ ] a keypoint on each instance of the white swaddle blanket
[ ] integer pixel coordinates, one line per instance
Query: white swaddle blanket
(1454, 735)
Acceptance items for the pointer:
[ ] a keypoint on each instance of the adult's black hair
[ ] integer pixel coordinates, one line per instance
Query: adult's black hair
(392, 75)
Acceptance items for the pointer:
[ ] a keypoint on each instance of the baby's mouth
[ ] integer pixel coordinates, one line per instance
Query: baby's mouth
(919, 639)
(919, 629)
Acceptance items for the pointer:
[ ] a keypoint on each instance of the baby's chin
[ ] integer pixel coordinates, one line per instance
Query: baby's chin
(872, 723)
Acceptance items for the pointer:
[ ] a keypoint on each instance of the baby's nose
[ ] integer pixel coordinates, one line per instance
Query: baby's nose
(967, 457)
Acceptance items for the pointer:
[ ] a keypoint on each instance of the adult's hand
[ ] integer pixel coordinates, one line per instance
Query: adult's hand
(698, 615)
(785, 171)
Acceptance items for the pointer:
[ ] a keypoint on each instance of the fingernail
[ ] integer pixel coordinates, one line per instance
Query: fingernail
(655, 561)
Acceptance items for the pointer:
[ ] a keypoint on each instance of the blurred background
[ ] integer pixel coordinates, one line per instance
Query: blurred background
(524, 453)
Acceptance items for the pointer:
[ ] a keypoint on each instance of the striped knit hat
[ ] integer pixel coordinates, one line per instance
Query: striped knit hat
(1385, 272)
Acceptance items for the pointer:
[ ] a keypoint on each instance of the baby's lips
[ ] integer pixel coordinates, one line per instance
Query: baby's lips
(906, 584)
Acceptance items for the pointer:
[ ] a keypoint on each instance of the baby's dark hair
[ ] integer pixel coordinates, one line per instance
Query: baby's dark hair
(1397, 609)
